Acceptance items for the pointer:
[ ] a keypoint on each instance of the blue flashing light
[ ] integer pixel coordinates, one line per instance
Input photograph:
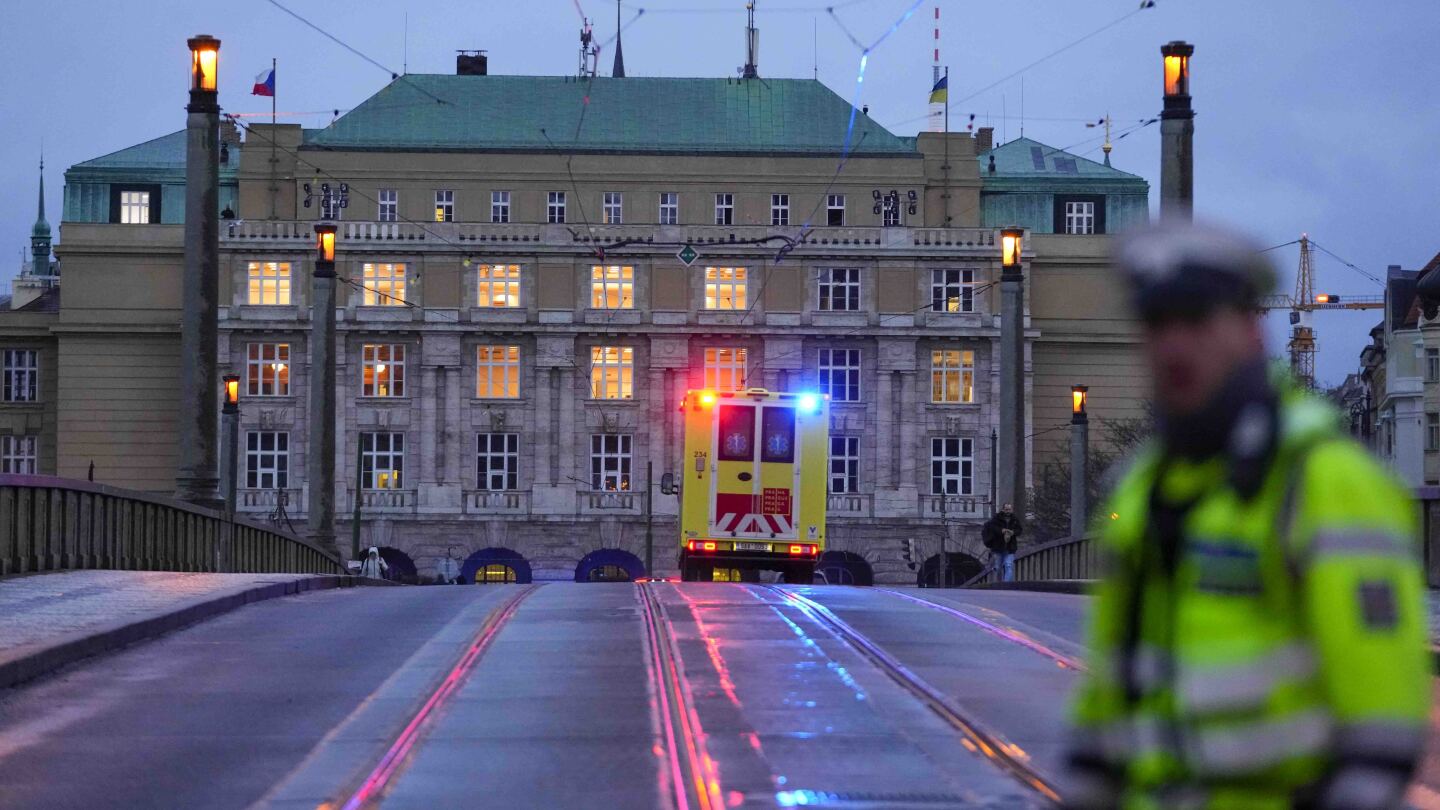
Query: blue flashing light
(809, 403)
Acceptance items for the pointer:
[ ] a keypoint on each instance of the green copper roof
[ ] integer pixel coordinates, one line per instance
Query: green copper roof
(164, 152)
(634, 114)
(1024, 158)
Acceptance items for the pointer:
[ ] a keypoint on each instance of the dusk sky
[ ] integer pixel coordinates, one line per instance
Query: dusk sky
(1315, 115)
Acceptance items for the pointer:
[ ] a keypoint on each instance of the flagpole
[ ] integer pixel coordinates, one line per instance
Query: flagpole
(946, 223)
(274, 161)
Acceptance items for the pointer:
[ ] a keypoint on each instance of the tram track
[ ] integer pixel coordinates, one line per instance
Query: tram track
(974, 734)
(688, 772)
(1008, 634)
(372, 787)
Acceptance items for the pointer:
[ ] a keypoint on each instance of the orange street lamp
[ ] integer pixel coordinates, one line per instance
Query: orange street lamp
(1078, 395)
(204, 63)
(232, 393)
(1177, 68)
(1012, 243)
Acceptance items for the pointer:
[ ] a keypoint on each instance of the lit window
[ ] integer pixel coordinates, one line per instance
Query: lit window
(269, 284)
(383, 284)
(779, 209)
(444, 206)
(612, 372)
(610, 462)
(835, 210)
(612, 208)
(724, 209)
(382, 460)
(497, 461)
(1080, 217)
(498, 372)
(725, 369)
(612, 287)
(135, 207)
(21, 370)
(840, 374)
(844, 464)
(267, 459)
(840, 289)
(17, 455)
(389, 205)
(499, 206)
(267, 367)
(952, 290)
(383, 370)
(725, 288)
(555, 208)
(952, 376)
(499, 285)
(669, 208)
(952, 466)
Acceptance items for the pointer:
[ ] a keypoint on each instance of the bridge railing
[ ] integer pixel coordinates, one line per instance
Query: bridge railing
(1066, 558)
(49, 523)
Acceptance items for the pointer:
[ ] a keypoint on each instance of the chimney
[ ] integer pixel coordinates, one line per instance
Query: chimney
(471, 63)
(984, 139)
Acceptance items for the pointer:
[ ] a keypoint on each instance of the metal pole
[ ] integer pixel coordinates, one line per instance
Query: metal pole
(196, 477)
(1011, 439)
(229, 470)
(649, 519)
(1079, 462)
(320, 466)
(355, 514)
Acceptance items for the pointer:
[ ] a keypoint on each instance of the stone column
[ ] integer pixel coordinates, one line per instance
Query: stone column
(196, 477)
(1011, 439)
(322, 416)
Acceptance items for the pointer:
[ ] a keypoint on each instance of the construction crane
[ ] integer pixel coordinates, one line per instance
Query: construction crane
(1303, 304)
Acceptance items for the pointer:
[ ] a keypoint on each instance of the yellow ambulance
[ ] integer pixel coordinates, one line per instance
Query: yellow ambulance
(752, 486)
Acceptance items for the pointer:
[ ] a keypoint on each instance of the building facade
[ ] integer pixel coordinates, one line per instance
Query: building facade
(535, 269)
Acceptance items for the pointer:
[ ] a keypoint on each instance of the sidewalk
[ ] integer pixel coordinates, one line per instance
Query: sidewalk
(54, 619)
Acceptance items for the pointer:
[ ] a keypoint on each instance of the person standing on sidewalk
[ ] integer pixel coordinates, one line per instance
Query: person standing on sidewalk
(1001, 534)
(374, 566)
(1259, 640)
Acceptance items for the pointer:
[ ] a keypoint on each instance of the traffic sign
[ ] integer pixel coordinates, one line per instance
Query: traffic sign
(688, 255)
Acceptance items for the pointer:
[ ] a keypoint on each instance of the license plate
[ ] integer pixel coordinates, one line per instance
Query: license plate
(752, 546)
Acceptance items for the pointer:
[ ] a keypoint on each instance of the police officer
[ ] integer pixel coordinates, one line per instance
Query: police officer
(1259, 639)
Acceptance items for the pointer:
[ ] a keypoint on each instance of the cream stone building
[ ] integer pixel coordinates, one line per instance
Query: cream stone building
(521, 312)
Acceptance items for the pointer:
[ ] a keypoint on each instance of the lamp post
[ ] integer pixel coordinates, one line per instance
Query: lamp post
(1177, 134)
(1010, 443)
(229, 466)
(1079, 457)
(320, 466)
(195, 478)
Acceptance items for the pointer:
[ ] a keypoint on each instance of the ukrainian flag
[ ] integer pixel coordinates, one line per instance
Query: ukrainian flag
(940, 91)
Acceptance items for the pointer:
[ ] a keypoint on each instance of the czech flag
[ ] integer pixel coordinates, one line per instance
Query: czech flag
(940, 91)
(265, 84)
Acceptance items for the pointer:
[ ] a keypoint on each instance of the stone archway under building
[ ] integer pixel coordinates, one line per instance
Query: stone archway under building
(963, 568)
(844, 568)
(493, 566)
(609, 565)
(401, 566)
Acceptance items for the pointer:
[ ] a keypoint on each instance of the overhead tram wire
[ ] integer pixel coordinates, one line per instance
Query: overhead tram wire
(394, 76)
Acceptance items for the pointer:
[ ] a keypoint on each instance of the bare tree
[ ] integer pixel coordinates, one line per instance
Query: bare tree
(1050, 499)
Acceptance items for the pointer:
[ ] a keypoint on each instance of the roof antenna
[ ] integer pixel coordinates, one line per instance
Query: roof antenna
(405, 60)
(815, 48)
(752, 45)
(589, 51)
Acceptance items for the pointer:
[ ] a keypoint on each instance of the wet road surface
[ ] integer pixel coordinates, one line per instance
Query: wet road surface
(662, 695)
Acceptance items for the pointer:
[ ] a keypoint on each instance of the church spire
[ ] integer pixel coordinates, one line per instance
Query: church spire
(619, 70)
(42, 228)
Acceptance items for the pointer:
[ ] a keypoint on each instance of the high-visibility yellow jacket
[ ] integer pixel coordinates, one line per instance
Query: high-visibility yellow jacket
(1285, 641)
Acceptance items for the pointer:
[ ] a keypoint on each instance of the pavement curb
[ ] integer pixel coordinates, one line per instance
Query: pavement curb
(1078, 586)
(29, 662)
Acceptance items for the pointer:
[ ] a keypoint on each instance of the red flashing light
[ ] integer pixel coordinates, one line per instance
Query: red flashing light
(803, 549)
(707, 398)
